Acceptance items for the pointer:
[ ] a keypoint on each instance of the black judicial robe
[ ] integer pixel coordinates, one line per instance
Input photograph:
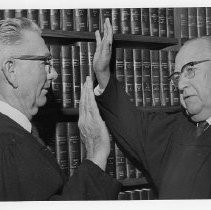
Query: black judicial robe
(28, 171)
(178, 163)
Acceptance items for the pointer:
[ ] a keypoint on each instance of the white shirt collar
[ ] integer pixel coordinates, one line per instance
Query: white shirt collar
(15, 115)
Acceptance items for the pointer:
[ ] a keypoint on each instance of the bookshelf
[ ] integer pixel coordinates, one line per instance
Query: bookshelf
(126, 40)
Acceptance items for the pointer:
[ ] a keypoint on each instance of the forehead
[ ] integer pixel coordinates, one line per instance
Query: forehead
(33, 44)
(193, 51)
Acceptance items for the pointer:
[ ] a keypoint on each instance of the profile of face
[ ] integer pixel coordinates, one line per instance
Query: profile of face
(195, 80)
(33, 76)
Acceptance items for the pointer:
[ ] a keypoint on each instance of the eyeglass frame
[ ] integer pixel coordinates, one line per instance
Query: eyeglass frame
(188, 74)
(46, 59)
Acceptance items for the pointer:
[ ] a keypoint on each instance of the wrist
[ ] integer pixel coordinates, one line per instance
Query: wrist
(103, 78)
(99, 160)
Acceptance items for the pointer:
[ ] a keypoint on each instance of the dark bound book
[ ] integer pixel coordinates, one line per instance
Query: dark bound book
(170, 22)
(76, 75)
(33, 14)
(55, 50)
(174, 92)
(129, 73)
(104, 13)
(66, 20)
(208, 20)
(80, 20)
(93, 20)
(125, 22)
(91, 52)
(137, 63)
(155, 77)
(184, 22)
(162, 22)
(119, 67)
(55, 19)
(145, 23)
(44, 18)
(66, 71)
(115, 16)
(73, 143)
(201, 21)
(164, 78)
(146, 78)
(153, 18)
(192, 22)
(120, 164)
(130, 169)
(61, 147)
(135, 14)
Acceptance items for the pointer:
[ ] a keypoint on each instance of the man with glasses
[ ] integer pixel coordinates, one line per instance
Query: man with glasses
(28, 170)
(173, 149)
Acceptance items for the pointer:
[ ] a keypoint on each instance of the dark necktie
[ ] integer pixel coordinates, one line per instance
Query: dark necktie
(201, 127)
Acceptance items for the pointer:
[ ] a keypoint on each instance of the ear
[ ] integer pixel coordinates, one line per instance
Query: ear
(10, 72)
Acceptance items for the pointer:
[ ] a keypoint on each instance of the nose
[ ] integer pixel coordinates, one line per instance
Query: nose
(53, 74)
(183, 82)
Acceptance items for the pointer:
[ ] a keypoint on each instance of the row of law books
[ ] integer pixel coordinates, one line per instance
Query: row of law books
(137, 194)
(144, 21)
(65, 143)
(143, 72)
(145, 75)
(195, 22)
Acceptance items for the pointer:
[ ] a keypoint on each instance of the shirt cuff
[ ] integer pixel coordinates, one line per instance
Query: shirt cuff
(98, 91)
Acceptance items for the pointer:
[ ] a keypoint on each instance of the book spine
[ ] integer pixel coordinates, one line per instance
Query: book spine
(162, 22)
(130, 169)
(55, 50)
(201, 21)
(184, 23)
(125, 22)
(174, 92)
(9, 13)
(208, 21)
(145, 23)
(84, 65)
(192, 23)
(119, 67)
(155, 77)
(66, 71)
(164, 78)
(146, 78)
(80, 20)
(120, 164)
(153, 18)
(44, 18)
(139, 174)
(73, 143)
(91, 52)
(111, 162)
(55, 19)
(104, 13)
(137, 63)
(115, 16)
(135, 14)
(76, 75)
(66, 20)
(33, 15)
(129, 73)
(170, 22)
(61, 147)
(93, 20)
(1, 14)
(20, 13)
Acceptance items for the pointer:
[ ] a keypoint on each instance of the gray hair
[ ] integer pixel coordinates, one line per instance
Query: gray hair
(11, 28)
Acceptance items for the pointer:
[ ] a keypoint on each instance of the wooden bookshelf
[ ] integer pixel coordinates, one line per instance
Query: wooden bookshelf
(133, 181)
(131, 39)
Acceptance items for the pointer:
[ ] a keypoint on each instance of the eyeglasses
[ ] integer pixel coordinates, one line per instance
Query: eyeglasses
(187, 70)
(46, 59)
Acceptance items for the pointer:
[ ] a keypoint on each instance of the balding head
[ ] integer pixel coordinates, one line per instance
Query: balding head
(195, 90)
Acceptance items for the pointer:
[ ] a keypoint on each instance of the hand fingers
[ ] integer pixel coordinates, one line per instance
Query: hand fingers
(98, 40)
(109, 31)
